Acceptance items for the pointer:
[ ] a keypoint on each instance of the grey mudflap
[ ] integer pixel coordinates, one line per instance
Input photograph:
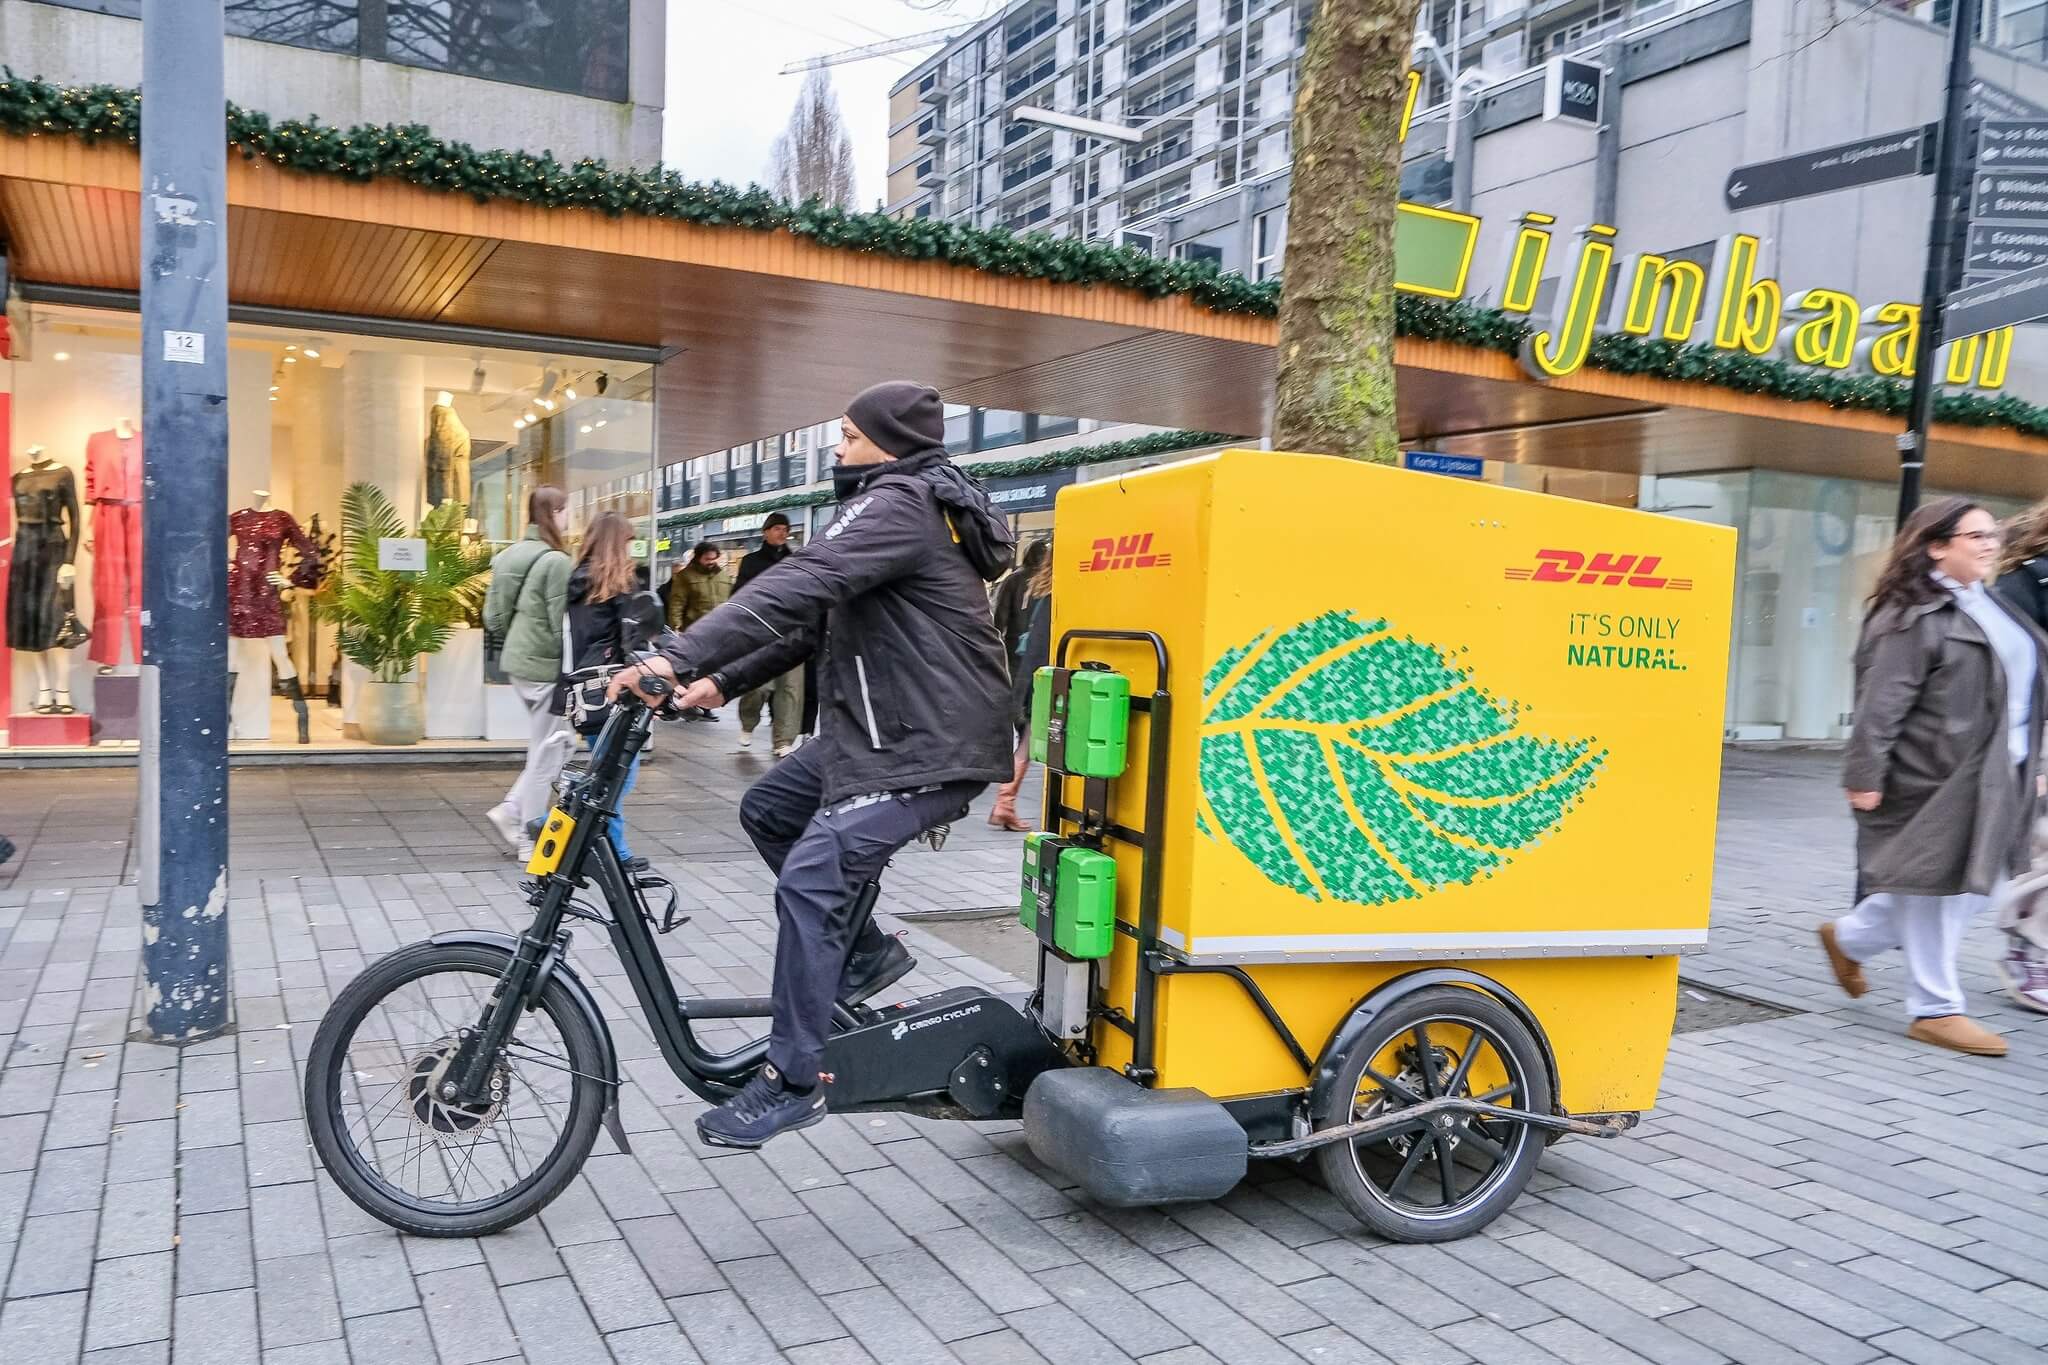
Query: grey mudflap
(1126, 1145)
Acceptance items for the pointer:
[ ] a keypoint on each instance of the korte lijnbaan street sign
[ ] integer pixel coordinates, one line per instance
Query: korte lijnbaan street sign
(1727, 304)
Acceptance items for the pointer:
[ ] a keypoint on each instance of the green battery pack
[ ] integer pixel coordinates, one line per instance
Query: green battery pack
(1041, 880)
(1081, 720)
(1084, 909)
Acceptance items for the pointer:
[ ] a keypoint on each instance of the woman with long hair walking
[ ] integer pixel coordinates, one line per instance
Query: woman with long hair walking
(1944, 769)
(611, 619)
(524, 607)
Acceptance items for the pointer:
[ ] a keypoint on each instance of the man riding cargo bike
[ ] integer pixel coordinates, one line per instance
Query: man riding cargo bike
(912, 724)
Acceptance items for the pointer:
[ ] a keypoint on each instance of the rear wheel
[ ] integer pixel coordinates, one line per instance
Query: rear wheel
(1447, 1177)
(427, 1165)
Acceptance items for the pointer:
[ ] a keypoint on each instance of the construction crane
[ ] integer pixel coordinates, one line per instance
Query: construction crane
(931, 38)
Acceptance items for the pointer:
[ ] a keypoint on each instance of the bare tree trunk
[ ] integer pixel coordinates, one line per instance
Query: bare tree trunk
(1335, 393)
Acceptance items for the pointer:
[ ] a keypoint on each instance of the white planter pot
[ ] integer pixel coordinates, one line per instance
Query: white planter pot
(455, 687)
(505, 715)
(389, 713)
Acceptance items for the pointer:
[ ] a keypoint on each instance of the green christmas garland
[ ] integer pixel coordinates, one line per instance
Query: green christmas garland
(100, 113)
(1067, 457)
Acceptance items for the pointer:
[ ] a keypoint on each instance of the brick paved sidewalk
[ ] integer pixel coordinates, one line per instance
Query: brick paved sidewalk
(1812, 1187)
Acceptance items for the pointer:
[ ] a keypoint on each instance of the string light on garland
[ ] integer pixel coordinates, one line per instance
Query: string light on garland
(411, 153)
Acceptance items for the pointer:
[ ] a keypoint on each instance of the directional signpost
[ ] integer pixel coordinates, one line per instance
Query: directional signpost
(1890, 156)
(2013, 145)
(2006, 302)
(2000, 249)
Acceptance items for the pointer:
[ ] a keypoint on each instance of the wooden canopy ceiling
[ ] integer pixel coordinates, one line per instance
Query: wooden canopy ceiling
(767, 332)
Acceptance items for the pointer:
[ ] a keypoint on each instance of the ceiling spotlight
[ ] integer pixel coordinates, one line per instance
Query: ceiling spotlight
(569, 394)
(291, 360)
(273, 388)
(312, 354)
(61, 355)
(548, 403)
(601, 421)
(291, 345)
(273, 398)
(518, 422)
(585, 428)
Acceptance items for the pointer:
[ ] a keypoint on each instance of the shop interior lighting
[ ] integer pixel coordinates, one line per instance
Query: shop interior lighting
(61, 355)
(312, 354)
(291, 360)
(584, 429)
(569, 394)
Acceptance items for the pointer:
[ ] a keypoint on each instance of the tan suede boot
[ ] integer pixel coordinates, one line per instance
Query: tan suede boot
(1957, 1033)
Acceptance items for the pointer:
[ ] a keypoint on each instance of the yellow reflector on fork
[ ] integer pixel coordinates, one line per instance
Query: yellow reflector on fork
(553, 842)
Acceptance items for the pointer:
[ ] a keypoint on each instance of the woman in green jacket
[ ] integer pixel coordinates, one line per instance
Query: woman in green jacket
(529, 592)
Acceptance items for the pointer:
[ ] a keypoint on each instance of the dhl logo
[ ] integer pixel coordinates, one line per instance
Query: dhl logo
(1608, 570)
(1113, 553)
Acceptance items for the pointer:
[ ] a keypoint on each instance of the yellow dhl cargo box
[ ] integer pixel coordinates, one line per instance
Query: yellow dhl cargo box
(1413, 719)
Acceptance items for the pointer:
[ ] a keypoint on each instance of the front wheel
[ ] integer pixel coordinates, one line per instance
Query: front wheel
(425, 1165)
(1444, 1178)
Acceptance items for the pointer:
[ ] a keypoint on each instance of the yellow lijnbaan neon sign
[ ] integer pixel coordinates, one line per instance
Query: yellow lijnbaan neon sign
(1670, 301)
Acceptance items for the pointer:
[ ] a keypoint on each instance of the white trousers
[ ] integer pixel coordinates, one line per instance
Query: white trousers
(1930, 929)
(548, 743)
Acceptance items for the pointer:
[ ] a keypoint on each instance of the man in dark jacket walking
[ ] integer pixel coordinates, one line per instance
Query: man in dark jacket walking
(784, 694)
(913, 719)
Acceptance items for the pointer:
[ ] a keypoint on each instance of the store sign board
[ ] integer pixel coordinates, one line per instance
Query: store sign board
(1731, 305)
(1997, 305)
(1027, 492)
(402, 554)
(637, 548)
(1456, 466)
(2003, 197)
(1844, 166)
(1571, 92)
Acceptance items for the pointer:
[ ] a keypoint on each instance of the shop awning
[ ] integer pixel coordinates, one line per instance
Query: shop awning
(767, 333)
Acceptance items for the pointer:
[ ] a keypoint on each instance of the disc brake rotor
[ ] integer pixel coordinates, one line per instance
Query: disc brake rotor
(443, 1117)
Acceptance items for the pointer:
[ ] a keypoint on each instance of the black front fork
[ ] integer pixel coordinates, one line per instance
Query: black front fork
(593, 807)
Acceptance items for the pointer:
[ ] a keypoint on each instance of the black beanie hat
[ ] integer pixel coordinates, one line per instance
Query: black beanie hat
(775, 519)
(902, 418)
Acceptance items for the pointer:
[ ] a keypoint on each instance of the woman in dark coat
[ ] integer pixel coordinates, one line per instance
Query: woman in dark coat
(1945, 765)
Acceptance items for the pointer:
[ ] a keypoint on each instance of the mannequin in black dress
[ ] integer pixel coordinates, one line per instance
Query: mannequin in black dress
(39, 583)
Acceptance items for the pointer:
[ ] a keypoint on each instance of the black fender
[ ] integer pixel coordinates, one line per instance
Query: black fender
(555, 967)
(1367, 1012)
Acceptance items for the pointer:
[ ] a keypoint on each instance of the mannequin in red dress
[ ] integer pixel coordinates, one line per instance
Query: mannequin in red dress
(255, 611)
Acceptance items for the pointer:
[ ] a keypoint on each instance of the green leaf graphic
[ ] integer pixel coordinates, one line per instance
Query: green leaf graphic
(1351, 764)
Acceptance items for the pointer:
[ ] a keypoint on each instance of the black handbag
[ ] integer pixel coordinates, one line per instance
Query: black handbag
(71, 633)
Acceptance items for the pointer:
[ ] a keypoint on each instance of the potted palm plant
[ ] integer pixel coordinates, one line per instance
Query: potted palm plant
(387, 618)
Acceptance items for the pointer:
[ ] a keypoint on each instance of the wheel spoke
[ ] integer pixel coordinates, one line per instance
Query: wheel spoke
(1425, 1061)
(1497, 1094)
(1443, 1168)
(1484, 1143)
(1415, 1152)
(1393, 1087)
(1464, 1071)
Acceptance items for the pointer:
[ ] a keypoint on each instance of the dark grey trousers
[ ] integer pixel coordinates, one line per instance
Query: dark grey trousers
(821, 858)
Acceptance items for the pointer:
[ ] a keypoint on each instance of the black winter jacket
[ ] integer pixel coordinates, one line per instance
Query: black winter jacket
(2025, 586)
(607, 632)
(756, 562)
(913, 686)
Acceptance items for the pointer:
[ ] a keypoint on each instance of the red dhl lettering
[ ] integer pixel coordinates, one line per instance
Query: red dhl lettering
(1134, 551)
(1607, 569)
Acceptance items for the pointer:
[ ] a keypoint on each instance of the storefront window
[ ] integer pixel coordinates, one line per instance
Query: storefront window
(309, 414)
(1808, 556)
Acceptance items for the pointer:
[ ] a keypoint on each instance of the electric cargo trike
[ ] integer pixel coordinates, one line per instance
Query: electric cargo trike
(1378, 808)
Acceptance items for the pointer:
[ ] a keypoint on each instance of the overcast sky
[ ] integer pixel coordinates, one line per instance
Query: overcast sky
(727, 100)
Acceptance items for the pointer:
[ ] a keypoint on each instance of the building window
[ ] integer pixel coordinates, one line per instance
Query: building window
(999, 428)
(1269, 243)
